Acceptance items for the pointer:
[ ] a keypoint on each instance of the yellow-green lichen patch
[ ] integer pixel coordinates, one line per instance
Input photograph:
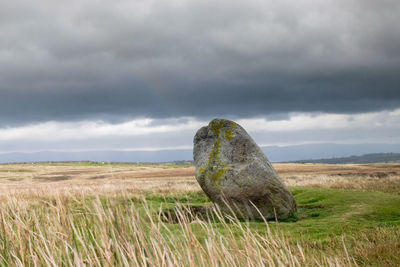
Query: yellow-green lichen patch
(216, 126)
(215, 151)
(229, 133)
(217, 174)
(201, 170)
(213, 171)
(215, 168)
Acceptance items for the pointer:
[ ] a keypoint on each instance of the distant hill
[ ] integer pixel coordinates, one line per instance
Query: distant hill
(367, 158)
(99, 156)
(274, 154)
(324, 151)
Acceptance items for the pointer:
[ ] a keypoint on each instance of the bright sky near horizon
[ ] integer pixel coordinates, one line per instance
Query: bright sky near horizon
(145, 75)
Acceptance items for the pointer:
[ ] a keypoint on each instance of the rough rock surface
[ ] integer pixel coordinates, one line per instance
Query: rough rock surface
(231, 168)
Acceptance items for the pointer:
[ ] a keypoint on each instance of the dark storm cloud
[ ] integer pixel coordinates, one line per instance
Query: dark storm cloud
(96, 59)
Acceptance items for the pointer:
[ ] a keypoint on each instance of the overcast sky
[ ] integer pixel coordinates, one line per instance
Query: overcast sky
(145, 74)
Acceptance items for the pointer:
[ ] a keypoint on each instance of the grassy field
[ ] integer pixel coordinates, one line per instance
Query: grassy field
(156, 215)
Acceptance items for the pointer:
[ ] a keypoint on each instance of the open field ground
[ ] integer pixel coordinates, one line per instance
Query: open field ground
(31, 179)
(156, 215)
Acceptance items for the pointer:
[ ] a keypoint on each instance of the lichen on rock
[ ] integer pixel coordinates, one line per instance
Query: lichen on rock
(229, 133)
(215, 168)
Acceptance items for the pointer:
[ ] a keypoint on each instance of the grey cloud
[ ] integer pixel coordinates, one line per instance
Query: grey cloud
(127, 59)
(184, 138)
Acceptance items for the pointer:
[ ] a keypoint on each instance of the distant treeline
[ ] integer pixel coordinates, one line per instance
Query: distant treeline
(367, 158)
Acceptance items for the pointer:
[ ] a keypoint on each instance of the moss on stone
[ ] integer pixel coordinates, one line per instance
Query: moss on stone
(214, 169)
(201, 170)
(229, 133)
(216, 126)
(215, 151)
(217, 175)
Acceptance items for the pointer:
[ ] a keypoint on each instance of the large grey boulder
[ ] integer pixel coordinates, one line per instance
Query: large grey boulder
(232, 169)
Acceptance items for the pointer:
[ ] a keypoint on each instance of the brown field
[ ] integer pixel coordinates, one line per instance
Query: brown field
(79, 214)
(38, 179)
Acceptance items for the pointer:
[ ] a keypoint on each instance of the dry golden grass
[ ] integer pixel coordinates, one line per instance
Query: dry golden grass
(101, 232)
(369, 177)
(98, 216)
(31, 180)
(43, 179)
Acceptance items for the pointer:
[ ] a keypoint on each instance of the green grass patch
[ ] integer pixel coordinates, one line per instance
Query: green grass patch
(322, 212)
